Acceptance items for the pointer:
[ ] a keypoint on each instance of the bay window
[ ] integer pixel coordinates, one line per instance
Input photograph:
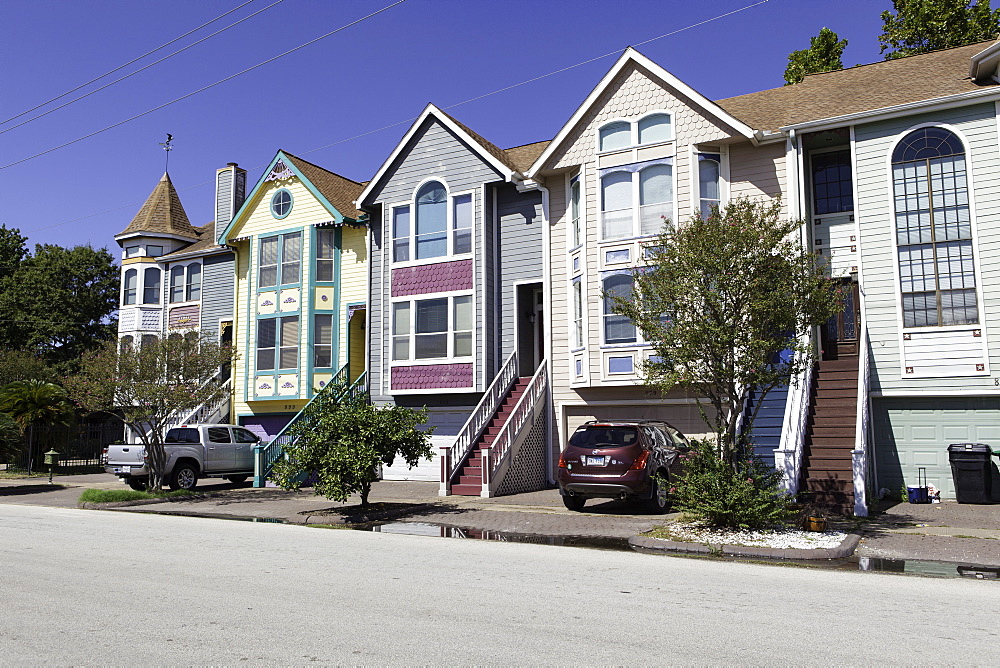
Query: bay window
(130, 286)
(617, 328)
(176, 284)
(151, 286)
(434, 225)
(193, 285)
(278, 343)
(709, 182)
(434, 328)
(636, 200)
(276, 254)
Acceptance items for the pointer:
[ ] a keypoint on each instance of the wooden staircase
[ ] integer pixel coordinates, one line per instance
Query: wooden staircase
(469, 479)
(827, 472)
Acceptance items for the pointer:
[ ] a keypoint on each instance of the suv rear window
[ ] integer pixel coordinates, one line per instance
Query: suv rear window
(181, 435)
(604, 437)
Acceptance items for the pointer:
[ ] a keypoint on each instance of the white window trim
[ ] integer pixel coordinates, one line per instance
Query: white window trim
(138, 286)
(633, 123)
(579, 178)
(451, 358)
(450, 255)
(636, 204)
(166, 285)
(724, 176)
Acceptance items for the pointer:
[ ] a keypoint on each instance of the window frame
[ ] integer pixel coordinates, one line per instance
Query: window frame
(146, 287)
(272, 203)
(812, 180)
(130, 294)
(607, 314)
(635, 170)
(279, 347)
(183, 288)
(331, 261)
(410, 238)
(280, 238)
(633, 131)
(451, 332)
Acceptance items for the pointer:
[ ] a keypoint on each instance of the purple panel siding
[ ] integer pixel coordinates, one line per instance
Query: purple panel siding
(266, 426)
(431, 377)
(183, 317)
(427, 278)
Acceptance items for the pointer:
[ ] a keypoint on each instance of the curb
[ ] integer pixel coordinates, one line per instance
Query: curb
(358, 519)
(658, 545)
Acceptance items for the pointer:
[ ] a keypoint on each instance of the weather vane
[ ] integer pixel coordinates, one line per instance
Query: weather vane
(168, 147)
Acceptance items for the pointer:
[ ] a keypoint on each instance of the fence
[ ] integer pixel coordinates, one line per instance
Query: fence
(78, 446)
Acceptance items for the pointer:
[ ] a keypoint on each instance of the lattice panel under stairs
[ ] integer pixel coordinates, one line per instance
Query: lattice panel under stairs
(527, 471)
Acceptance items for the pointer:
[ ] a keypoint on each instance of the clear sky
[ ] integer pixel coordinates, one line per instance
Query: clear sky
(331, 102)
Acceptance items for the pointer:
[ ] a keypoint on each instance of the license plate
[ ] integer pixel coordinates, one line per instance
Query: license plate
(595, 461)
(123, 469)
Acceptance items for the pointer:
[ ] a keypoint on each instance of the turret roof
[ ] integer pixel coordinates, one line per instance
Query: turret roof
(162, 213)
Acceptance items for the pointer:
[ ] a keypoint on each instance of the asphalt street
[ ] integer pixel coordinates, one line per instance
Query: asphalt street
(85, 587)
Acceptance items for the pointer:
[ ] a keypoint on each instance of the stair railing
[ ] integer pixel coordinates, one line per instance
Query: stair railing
(791, 443)
(201, 413)
(453, 455)
(521, 417)
(859, 456)
(265, 454)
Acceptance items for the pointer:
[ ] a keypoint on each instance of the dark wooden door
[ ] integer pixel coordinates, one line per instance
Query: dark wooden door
(840, 333)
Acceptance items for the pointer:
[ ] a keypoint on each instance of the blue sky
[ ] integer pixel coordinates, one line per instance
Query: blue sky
(329, 101)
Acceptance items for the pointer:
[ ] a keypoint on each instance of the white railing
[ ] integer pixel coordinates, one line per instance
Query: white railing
(788, 454)
(522, 417)
(201, 414)
(859, 456)
(452, 456)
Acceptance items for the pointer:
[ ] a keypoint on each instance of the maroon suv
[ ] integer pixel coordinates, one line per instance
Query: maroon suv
(619, 460)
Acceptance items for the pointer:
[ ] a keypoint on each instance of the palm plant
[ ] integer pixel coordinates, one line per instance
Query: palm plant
(33, 403)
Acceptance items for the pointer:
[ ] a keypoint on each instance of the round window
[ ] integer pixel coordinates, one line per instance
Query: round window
(281, 203)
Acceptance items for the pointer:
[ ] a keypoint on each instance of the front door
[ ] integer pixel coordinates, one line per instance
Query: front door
(530, 328)
(840, 333)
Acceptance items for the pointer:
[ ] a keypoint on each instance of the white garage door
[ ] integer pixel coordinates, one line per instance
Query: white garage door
(448, 423)
(915, 433)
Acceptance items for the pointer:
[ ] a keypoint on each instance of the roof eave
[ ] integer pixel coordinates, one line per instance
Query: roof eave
(212, 250)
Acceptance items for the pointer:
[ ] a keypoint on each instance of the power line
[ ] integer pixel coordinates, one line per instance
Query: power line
(203, 88)
(141, 69)
(410, 120)
(121, 67)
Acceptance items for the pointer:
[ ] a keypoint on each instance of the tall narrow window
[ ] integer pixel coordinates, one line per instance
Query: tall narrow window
(831, 181)
(655, 128)
(291, 254)
(266, 343)
(934, 230)
(193, 288)
(267, 270)
(176, 284)
(432, 221)
(401, 234)
(616, 205)
(614, 136)
(462, 224)
(617, 328)
(401, 331)
(577, 313)
(656, 198)
(574, 210)
(709, 182)
(324, 254)
(462, 328)
(288, 351)
(431, 329)
(130, 286)
(323, 343)
(151, 286)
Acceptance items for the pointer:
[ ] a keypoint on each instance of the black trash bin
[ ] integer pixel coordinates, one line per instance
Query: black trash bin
(972, 472)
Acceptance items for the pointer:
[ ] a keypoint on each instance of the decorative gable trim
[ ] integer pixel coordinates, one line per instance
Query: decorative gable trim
(279, 172)
(633, 57)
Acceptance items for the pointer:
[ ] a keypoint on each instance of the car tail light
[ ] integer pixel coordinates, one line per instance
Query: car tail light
(640, 461)
(562, 460)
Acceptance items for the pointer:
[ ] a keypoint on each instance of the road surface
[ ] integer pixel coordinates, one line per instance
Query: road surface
(92, 587)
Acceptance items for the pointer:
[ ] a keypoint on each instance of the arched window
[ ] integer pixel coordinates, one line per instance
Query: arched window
(615, 135)
(432, 221)
(655, 128)
(193, 288)
(617, 328)
(934, 230)
(151, 286)
(176, 284)
(616, 205)
(709, 182)
(130, 286)
(125, 344)
(656, 197)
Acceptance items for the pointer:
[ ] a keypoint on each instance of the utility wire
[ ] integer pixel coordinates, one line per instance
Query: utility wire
(203, 88)
(121, 67)
(452, 106)
(131, 74)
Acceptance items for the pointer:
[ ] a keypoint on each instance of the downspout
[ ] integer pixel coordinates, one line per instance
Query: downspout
(547, 311)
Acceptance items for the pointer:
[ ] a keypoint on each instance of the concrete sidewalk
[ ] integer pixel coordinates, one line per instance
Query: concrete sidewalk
(946, 532)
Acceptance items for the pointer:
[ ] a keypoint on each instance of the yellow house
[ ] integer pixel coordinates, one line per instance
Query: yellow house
(301, 290)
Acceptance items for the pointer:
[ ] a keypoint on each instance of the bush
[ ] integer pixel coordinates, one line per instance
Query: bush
(744, 495)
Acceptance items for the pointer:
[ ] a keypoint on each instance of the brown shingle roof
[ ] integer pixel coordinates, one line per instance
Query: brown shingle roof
(859, 89)
(490, 147)
(162, 213)
(341, 192)
(206, 241)
(524, 156)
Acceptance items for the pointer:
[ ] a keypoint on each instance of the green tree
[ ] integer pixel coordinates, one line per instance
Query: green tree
(23, 365)
(145, 386)
(823, 55)
(344, 444)
(920, 26)
(723, 298)
(34, 403)
(12, 250)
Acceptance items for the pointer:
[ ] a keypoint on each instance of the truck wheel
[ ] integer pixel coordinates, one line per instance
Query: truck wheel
(138, 484)
(185, 476)
(237, 479)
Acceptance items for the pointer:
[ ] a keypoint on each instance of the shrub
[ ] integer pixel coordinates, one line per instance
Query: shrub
(741, 495)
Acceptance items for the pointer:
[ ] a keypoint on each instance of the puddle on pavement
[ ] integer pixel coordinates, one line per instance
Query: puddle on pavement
(441, 531)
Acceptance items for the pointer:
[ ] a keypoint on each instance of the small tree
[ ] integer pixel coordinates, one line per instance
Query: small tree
(921, 26)
(723, 299)
(34, 403)
(343, 444)
(144, 386)
(823, 55)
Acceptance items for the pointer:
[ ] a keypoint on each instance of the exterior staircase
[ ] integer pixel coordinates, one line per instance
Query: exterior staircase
(469, 480)
(827, 471)
(766, 435)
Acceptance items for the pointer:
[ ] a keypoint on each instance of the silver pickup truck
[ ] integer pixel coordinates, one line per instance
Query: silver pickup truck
(193, 451)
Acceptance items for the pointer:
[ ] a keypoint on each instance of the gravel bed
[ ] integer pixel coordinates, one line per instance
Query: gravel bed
(779, 538)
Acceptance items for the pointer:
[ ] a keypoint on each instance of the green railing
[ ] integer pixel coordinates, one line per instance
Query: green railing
(265, 454)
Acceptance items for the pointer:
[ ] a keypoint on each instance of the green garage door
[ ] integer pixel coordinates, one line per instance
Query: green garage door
(914, 433)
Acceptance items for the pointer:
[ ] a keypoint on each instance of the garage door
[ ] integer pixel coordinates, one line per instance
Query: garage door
(914, 433)
(448, 424)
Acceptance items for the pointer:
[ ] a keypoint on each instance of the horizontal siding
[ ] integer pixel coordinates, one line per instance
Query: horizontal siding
(218, 289)
(353, 282)
(520, 255)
